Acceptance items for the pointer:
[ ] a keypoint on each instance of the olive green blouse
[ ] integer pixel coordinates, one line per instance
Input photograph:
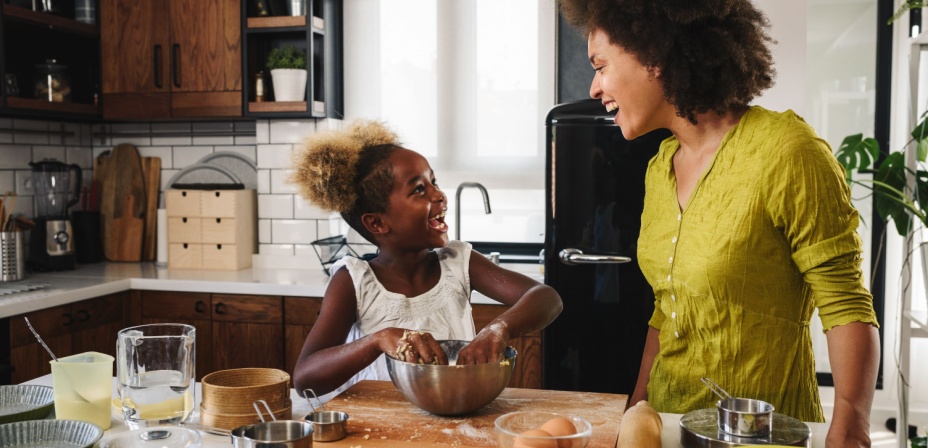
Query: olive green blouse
(768, 235)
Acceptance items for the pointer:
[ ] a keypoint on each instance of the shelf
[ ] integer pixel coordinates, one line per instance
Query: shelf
(276, 22)
(277, 106)
(42, 105)
(41, 19)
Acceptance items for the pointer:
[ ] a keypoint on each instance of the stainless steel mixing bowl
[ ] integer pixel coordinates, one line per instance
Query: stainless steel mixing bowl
(452, 389)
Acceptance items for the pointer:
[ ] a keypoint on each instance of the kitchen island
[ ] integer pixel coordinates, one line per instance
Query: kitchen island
(379, 417)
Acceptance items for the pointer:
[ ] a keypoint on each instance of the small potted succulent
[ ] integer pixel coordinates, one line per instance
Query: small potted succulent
(288, 73)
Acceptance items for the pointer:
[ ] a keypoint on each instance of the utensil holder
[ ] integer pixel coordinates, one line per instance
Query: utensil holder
(12, 257)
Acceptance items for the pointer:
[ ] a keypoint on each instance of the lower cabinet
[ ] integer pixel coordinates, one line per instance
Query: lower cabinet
(88, 325)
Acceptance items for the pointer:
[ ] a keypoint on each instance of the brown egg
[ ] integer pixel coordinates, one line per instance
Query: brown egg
(526, 440)
(559, 427)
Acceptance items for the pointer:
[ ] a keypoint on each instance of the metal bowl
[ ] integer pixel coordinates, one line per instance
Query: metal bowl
(452, 389)
(71, 433)
(25, 402)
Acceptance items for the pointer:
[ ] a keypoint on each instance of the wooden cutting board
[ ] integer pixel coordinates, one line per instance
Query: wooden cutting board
(127, 234)
(378, 410)
(120, 176)
(151, 173)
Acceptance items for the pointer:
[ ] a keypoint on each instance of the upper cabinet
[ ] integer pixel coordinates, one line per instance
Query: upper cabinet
(316, 30)
(49, 62)
(166, 59)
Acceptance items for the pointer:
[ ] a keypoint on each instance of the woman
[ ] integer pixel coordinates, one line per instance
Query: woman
(747, 223)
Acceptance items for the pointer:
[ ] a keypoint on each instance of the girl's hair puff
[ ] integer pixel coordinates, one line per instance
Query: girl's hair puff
(344, 170)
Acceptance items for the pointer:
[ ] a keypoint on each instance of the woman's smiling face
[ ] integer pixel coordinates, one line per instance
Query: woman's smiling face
(625, 85)
(416, 212)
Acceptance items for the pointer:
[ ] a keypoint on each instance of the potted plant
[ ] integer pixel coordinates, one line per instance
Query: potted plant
(288, 73)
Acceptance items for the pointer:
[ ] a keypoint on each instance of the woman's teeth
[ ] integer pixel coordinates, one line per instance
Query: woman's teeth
(611, 107)
(438, 222)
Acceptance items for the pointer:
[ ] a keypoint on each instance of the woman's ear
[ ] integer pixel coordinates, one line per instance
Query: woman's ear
(374, 223)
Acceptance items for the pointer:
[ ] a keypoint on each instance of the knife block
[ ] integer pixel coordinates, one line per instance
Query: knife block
(211, 229)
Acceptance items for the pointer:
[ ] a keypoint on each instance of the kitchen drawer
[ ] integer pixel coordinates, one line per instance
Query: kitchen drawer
(184, 202)
(228, 203)
(250, 309)
(220, 230)
(226, 256)
(184, 229)
(185, 256)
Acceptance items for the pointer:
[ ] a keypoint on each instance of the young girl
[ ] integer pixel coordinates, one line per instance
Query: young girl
(417, 290)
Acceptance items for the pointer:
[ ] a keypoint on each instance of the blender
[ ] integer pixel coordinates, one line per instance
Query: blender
(51, 247)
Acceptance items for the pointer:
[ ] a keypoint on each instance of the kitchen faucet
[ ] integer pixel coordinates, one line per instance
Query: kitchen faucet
(457, 203)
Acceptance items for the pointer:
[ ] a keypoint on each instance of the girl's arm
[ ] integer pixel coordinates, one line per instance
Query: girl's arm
(326, 361)
(533, 306)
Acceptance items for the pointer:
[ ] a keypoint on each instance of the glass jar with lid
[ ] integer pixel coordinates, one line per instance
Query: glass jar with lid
(52, 82)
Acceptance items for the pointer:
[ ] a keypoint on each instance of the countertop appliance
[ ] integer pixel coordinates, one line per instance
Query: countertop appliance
(595, 194)
(56, 184)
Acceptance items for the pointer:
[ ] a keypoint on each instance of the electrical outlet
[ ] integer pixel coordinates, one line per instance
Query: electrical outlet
(24, 185)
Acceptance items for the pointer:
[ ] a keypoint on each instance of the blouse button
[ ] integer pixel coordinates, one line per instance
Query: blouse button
(673, 315)
(673, 241)
(670, 260)
(679, 215)
(673, 297)
(677, 334)
(668, 278)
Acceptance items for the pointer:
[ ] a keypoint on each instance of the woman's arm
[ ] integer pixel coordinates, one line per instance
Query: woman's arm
(652, 345)
(854, 352)
(326, 362)
(533, 306)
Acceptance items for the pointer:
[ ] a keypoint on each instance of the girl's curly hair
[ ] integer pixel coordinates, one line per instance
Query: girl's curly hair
(347, 171)
(712, 54)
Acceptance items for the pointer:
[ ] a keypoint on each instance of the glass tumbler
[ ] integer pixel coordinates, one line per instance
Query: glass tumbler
(155, 371)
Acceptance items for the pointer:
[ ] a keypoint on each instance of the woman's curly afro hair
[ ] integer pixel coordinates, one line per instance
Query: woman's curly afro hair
(347, 171)
(712, 54)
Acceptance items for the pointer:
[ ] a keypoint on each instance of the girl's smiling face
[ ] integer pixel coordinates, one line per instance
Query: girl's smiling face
(624, 84)
(415, 216)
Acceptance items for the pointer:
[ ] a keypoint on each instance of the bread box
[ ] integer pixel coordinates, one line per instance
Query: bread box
(211, 229)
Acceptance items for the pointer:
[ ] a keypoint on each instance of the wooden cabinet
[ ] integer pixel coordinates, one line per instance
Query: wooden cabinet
(319, 34)
(30, 39)
(88, 325)
(171, 58)
(248, 331)
(528, 363)
(195, 309)
(300, 314)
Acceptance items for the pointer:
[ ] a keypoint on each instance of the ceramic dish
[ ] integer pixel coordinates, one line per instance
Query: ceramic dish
(157, 437)
(50, 434)
(25, 402)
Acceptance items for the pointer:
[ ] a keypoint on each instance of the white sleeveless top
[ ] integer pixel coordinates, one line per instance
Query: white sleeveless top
(444, 311)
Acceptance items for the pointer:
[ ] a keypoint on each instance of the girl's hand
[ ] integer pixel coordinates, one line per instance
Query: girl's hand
(412, 346)
(487, 347)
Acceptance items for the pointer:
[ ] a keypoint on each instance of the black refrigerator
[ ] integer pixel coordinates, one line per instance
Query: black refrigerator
(595, 193)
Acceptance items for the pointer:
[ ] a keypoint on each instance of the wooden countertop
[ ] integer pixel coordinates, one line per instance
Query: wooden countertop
(379, 416)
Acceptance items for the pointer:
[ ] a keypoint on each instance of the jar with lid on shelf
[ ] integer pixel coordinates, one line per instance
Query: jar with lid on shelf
(52, 82)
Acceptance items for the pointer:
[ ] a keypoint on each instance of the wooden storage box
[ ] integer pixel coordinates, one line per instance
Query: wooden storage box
(211, 229)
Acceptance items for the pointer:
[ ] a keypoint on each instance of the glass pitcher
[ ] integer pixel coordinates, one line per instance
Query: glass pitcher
(155, 371)
(56, 186)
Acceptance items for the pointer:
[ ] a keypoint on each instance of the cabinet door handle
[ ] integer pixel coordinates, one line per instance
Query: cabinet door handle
(157, 57)
(83, 316)
(68, 319)
(220, 308)
(199, 306)
(175, 64)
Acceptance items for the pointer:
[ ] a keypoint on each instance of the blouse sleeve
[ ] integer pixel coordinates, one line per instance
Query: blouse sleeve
(810, 202)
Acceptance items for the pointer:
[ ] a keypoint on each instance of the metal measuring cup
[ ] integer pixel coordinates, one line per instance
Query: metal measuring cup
(743, 417)
(329, 425)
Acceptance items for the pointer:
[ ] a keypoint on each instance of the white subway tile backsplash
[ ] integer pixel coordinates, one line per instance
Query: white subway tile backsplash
(169, 128)
(303, 209)
(279, 183)
(185, 156)
(245, 140)
(7, 181)
(249, 151)
(262, 132)
(6, 122)
(214, 140)
(15, 156)
(274, 156)
(213, 126)
(165, 153)
(245, 126)
(30, 139)
(40, 153)
(35, 125)
(293, 231)
(5, 137)
(264, 231)
(118, 128)
(275, 206)
(291, 131)
(264, 181)
(24, 185)
(329, 124)
(275, 249)
(82, 156)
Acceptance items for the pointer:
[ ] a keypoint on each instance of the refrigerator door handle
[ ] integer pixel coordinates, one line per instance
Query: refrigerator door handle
(573, 256)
